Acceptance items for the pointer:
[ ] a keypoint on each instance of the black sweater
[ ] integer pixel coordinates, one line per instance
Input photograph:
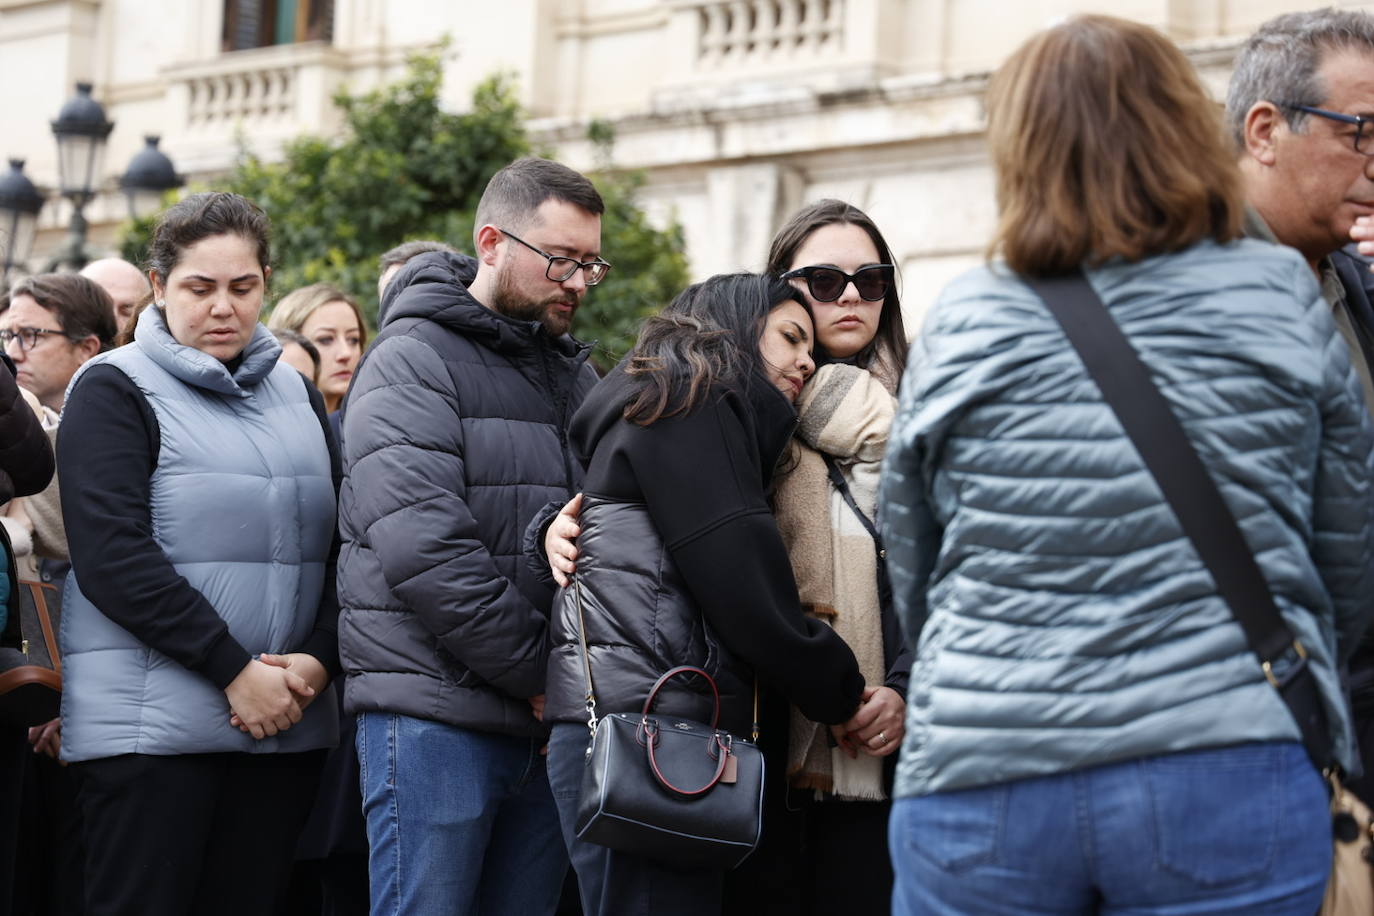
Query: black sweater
(703, 478)
(108, 447)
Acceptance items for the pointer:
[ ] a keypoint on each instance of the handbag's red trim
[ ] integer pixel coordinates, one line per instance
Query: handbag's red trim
(685, 669)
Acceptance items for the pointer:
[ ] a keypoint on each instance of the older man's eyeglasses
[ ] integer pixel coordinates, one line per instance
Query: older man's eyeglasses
(560, 268)
(29, 337)
(1363, 143)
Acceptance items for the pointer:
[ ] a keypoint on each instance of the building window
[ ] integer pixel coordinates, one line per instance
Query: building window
(259, 23)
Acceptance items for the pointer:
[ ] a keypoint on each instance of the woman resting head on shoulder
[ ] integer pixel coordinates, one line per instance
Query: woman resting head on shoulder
(331, 320)
(680, 443)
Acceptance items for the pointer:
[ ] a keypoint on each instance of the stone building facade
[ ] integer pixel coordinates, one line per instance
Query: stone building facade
(739, 110)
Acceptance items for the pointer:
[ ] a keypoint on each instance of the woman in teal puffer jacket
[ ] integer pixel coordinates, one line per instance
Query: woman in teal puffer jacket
(1087, 730)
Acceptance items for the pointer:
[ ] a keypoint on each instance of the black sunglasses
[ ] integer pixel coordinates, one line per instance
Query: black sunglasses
(826, 284)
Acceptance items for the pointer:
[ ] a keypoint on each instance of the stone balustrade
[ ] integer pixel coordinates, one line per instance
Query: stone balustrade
(757, 33)
(258, 95)
(261, 97)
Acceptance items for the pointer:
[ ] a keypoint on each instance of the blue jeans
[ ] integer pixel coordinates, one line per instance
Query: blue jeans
(458, 821)
(1243, 829)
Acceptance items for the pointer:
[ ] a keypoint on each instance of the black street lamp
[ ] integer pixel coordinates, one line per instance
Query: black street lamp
(19, 206)
(81, 130)
(149, 176)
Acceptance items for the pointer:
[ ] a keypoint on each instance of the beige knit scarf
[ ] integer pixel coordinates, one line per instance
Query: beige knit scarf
(846, 413)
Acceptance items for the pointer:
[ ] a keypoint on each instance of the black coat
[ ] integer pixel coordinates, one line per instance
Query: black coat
(680, 563)
(454, 437)
(26, 467)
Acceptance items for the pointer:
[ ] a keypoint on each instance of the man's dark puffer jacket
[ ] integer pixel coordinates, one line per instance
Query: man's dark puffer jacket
(454, 436)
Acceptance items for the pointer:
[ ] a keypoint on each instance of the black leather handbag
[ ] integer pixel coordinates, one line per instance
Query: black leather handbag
(680, 792)
(31, 674)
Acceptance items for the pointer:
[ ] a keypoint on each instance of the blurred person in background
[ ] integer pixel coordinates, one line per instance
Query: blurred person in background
(26, 466)
(1077, 675)
(1300, 84)
(125, 283)
(199, 623)
(299, 353)
(54, 855)
(391, 261)
(331, 320)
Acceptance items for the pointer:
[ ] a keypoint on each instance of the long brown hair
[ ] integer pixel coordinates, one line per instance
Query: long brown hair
(1105, 145)
(709, 334)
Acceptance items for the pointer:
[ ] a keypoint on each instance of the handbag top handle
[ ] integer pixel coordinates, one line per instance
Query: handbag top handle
(590, 698)
(1192, 494)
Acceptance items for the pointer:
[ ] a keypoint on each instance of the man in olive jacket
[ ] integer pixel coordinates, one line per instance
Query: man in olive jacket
(1298, 108)
(454, 436)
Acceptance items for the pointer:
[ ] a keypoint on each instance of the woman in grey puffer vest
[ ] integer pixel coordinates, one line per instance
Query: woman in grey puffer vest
(199, 487)
(1087, 729)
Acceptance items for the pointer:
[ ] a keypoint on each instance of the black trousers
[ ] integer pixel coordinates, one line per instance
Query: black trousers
(51, 866)
(616, 883)
(817, 858)
(195, 833)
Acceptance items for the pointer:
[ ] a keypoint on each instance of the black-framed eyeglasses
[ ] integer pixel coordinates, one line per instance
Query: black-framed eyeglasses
(29, 337)
(560, 268)
(1362, 139)
(826, 284)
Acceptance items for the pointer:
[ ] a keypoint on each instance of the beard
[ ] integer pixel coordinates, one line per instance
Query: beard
(512, 302)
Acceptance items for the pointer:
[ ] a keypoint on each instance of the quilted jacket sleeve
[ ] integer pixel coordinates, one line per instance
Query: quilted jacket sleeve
(404, 443)
(1343, 491)
(909, 529)
(26, 457)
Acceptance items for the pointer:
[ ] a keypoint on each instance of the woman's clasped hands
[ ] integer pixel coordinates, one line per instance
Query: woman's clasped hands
(272, 691)
(877, 727)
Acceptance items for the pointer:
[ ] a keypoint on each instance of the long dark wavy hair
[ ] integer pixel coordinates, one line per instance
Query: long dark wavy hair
(890, 341)
(709, 334)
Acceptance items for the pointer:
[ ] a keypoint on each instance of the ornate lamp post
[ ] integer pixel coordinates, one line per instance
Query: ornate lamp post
(19, 206)
(81, 129)
(149, 176)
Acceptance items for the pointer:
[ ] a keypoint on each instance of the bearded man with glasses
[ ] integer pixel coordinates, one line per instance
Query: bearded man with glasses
(1301, 110)
(455, 434)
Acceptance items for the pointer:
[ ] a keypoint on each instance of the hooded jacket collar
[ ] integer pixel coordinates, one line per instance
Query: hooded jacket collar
(765, 411)
(434, 286)
(198, 368)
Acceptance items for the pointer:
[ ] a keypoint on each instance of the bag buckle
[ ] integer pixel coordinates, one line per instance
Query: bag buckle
(1281, 671)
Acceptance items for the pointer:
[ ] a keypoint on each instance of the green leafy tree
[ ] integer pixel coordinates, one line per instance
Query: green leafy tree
(404, 168)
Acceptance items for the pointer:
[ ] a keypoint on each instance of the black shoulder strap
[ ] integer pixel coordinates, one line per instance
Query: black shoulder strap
(1192, 494)
(837, 481)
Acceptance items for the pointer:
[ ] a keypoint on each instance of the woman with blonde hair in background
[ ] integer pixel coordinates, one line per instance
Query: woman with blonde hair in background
(1088, 729)
(331, 320)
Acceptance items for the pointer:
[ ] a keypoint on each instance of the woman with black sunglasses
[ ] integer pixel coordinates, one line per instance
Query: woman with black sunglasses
(827, 800)
(826, 803)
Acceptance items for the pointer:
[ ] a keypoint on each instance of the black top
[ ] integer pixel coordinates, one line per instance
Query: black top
(26, 459)
(703, 477)
(108, 449)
